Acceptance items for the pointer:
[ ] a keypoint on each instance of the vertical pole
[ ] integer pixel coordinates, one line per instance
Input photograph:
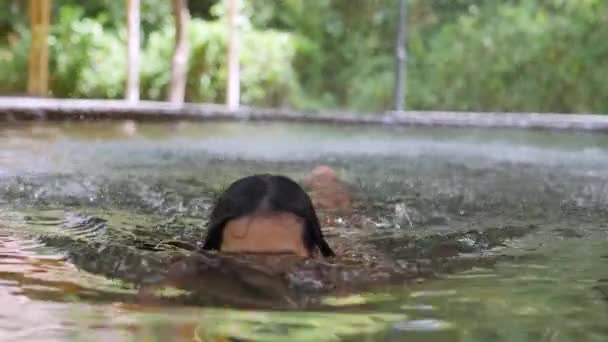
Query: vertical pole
(133, 22)
(400, 58)
(233, 87)
(179, 65)
(38, 62)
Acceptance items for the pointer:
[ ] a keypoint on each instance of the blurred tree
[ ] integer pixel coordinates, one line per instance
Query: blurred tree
(133, 49)
(234, 79)
(179, 66)
(400, 58)
(38, 69)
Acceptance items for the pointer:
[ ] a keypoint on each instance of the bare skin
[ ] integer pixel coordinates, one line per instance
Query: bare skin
(330, 195)
(275, 233)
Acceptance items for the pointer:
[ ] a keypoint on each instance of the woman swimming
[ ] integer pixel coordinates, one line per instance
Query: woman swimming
(265, 227)
(266, 214)
(271, 252)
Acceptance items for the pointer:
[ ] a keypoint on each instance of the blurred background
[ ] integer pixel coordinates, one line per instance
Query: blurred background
(469, 55)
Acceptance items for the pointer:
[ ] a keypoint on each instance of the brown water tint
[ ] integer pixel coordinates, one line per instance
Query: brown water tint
(45, 298)
(40, 294)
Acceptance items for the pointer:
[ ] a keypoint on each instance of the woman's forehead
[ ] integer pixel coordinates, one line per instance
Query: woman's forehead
(271, 215)
(263, 233)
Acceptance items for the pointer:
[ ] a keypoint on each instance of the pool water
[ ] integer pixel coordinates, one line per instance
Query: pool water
(512, 222)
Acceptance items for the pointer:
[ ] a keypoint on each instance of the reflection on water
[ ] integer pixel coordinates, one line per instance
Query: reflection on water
(514, 221)
(33, 284)
(42, 298)
(40, 293)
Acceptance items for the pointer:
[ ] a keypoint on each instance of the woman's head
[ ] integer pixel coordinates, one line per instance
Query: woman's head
(265, 213)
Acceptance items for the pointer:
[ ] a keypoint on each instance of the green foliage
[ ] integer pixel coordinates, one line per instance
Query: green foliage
(267, 74)
(12, 18)
(13, 49)
(14, 63)
(86, 59)
(515, 55)
(342, 56)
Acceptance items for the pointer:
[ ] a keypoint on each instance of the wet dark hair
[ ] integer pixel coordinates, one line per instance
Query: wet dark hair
(266, 193)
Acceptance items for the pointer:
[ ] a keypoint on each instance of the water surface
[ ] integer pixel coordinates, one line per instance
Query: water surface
(514, 223)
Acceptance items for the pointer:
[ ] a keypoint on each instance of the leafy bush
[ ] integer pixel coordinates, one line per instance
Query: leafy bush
(516, 57)
(86, 59)
(519, 55)
(14, 63)
(267, 75)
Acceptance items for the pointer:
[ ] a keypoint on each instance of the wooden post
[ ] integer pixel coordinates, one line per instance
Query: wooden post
(179, 66)
(38, 63)
(233, 87)
(400, 58)
(133, 22)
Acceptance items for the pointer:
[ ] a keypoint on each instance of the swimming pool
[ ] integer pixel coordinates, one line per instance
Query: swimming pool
(524, 213)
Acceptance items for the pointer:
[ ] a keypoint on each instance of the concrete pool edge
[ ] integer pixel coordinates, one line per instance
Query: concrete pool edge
(30, 109)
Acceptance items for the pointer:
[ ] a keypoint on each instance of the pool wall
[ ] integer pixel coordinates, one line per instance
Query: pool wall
(26, 108)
